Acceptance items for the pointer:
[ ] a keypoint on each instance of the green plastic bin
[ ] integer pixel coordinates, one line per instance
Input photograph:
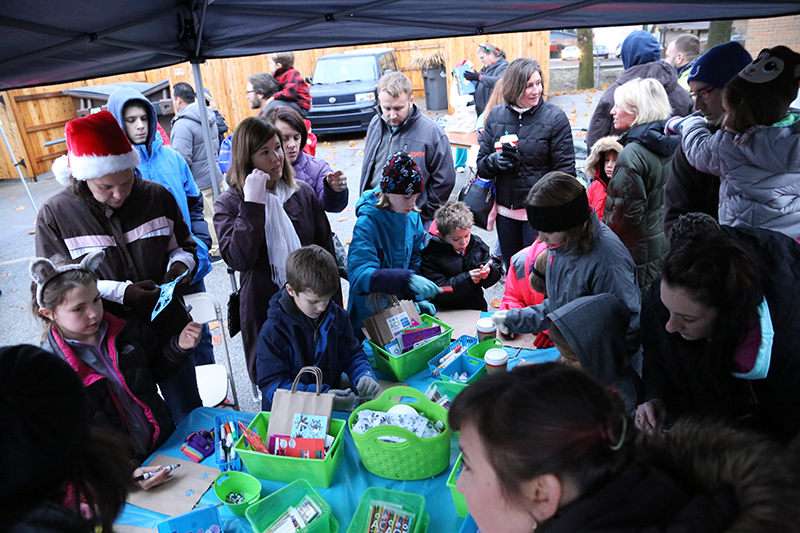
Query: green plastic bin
(319, 473)
(233, 481)
(480, 349)
(410, 503)
(265, 512)
(458, 498)
(416, 458)
(414, 361)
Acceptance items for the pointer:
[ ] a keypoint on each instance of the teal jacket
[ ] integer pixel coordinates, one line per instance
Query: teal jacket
(384, 252)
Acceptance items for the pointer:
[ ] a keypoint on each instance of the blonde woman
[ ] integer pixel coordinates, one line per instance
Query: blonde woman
(264, 216)
(634, 207)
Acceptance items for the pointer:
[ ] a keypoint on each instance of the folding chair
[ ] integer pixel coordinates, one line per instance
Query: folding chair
(213, 380)
(234, 288)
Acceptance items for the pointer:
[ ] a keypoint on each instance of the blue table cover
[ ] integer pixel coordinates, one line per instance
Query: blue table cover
(350, 481)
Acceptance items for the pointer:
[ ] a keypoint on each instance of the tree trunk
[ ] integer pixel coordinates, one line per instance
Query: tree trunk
(586, 64)
(719, 32)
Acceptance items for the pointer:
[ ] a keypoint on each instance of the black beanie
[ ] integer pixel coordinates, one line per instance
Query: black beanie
(45, 421)
(401, 175)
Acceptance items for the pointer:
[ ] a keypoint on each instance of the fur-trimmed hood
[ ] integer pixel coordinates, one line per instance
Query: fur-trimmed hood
(705, 454)
(596, 157)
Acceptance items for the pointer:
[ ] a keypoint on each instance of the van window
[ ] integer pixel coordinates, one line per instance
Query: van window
(387, 63)
(343, 69)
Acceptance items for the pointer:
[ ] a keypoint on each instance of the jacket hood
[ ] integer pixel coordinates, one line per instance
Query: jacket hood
(595, 328)
(117, 102)
(657, 70)
(640, 47)
(596, 159)
(652, 137)
(192, 112)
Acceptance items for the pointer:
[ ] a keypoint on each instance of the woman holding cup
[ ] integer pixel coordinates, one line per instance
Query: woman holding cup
(523, 139)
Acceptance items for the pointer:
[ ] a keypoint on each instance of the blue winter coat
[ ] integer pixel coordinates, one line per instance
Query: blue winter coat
(289, 340)
(384, 252)
(167, 167)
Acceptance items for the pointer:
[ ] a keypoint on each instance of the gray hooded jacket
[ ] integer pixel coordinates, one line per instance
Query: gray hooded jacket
(187, 138)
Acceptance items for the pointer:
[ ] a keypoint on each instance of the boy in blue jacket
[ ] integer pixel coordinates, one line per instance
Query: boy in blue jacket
(304, 328)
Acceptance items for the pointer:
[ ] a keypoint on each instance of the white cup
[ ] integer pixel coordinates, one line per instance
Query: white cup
(486, 329)
(496, 360)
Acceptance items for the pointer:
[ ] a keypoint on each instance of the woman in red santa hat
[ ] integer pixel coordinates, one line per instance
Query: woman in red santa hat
(107, 206)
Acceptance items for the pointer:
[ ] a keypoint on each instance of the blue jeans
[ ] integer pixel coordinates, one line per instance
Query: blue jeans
(513, 236)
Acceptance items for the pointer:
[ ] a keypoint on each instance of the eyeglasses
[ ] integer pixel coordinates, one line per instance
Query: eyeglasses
(702, 94)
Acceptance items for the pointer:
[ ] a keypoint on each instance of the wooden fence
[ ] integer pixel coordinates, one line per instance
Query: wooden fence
(38, 115)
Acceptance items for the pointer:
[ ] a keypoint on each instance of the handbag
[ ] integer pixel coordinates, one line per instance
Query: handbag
(234, 320)
(287, 403)
(479, 196)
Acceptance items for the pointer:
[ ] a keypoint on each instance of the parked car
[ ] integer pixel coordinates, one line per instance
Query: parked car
(618, 51)
(343, 89)
(571, 53)
(600, 50)
(555, 49)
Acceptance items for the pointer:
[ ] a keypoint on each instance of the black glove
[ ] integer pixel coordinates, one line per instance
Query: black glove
(471, 75)
(176, 270)
(503, 160)
(141, 296)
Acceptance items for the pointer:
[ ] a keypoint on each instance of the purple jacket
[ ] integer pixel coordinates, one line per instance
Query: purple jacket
(313, 171)
(240, 229)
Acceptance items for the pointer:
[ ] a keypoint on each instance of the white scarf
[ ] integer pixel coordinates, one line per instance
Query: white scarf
(279, 231)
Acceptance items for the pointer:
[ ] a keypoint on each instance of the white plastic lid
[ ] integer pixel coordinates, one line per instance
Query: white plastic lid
(495, 357)
(485, 325)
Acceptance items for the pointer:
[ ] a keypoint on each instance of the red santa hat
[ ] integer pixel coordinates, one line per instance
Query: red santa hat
(96, 146)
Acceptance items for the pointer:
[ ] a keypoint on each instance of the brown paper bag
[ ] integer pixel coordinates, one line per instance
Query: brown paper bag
(383, 326)
(286, 404)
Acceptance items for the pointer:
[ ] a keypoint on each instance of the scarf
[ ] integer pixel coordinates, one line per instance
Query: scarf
(279, 231)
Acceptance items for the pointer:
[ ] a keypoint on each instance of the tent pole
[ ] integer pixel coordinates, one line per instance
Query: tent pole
(201, 104)
(16, 165)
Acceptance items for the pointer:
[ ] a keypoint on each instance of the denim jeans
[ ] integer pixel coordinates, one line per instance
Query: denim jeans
(513, 236)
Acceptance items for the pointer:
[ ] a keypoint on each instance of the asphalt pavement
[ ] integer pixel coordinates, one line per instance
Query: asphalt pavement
(17, 225)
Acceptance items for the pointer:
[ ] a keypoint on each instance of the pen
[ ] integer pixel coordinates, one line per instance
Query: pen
(148, 475)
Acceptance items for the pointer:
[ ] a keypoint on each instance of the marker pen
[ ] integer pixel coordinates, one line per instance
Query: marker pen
(148, 475)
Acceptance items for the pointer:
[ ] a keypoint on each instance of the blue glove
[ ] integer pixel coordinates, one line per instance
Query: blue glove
(425, 307)
(423, 286)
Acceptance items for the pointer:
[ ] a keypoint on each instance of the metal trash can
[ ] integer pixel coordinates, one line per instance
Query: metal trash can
(435, 80)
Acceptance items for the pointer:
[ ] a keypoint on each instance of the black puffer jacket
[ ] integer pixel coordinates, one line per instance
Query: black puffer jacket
(634, 207)
(688, 191)
(489, 77)
(545, 144)
(446, 267)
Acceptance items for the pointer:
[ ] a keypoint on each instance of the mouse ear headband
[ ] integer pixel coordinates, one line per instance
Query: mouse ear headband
(43, 270)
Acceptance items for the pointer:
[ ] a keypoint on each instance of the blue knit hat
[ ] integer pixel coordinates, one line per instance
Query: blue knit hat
(720, 64)
(401, 175)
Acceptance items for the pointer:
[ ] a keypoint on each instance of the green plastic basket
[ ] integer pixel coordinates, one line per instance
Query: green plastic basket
(480, 349)
(318, 472)
(233, 481)
(450, 388)
(414, 361)
(264, 513)
(410, 503)
(416, 458)
(458, 498)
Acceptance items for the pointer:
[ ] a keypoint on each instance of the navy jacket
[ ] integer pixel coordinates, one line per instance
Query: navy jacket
(289, 340)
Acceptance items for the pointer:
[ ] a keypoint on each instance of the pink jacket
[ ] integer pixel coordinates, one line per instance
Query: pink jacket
(518, 293)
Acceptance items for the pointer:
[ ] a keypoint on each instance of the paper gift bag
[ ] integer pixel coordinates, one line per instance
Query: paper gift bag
(286, 404)
(390, 321)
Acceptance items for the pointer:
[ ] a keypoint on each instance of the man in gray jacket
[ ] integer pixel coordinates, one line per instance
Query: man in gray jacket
(187, 138)
(402, 126)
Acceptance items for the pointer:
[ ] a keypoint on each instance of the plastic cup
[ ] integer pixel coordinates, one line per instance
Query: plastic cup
(496, 360)
(486, 329)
